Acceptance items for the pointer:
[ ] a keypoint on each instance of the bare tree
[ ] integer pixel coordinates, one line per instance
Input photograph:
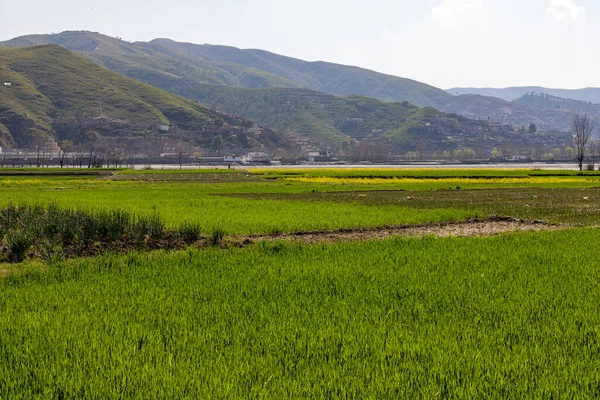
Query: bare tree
(92, 138)
(65, 147)
(594, 147)
(582, 127)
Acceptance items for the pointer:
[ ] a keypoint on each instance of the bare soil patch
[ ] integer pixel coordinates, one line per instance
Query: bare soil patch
(475, 227)
(221, 177)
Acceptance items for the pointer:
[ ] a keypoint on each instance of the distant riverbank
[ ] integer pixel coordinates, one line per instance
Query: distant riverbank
(505, 165)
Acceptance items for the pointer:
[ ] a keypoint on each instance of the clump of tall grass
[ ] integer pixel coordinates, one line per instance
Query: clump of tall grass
(189, 232)
(18, 244)
(34, 227)
(217, 235)
(147, 227)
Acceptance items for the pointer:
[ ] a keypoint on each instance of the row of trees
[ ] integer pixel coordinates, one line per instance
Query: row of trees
(458, 154)
(582, 128)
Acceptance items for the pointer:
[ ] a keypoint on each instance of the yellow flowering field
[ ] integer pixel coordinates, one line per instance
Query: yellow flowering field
(451, 181)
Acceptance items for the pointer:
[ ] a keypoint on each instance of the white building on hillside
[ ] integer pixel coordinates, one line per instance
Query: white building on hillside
(257, 158)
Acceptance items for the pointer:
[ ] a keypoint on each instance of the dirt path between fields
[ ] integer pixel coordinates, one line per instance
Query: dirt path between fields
(474, 227)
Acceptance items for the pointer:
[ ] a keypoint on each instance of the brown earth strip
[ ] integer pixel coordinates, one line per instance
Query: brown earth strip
(474, 227)
(53, 172)
(221, 177)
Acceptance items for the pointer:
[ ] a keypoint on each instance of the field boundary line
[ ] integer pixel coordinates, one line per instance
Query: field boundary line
(472, 227)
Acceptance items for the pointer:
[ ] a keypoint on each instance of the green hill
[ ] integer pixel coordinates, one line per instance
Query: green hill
(313, 114)
(334, 119)
(301, 112)
(289, 95)
(168, 65)
(50, 86)
(162, 62)
(549, 102)
(52, 90)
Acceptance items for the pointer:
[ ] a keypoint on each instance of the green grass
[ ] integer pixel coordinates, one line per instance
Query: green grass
(513, 316)
(10, 173)
(177, 203)
(423, 173)
(199, 171)
(241, 202)
(578, 206)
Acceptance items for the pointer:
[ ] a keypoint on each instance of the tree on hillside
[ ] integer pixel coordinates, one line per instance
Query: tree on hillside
(532, 128)
(582, 127)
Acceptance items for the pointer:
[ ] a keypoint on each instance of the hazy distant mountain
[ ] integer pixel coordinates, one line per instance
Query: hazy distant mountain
(172, 66)
(512, 93)
(550, 102)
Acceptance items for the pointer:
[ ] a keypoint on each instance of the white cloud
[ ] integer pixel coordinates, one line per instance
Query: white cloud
(455, 8)
(565, 10)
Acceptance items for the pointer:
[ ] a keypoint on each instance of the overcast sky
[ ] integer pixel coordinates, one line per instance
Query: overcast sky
(445, 43)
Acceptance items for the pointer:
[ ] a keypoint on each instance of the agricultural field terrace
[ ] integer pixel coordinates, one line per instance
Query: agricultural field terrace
(299, 283)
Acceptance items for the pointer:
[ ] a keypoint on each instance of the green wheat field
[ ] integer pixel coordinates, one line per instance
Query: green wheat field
(123, 284)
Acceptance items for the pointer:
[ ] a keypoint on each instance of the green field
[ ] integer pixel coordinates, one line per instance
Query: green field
(506, 316)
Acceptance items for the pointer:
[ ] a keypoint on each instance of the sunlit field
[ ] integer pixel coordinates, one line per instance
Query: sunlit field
(128, 287)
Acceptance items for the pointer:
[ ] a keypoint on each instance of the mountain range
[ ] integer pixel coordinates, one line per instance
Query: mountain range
(48, 93)
(591, 95)
(184, 68)
(550, 102)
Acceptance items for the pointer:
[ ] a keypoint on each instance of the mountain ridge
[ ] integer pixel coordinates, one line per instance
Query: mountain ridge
(51, 93)
(226, 76)
(161, 61)
(588, 94)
